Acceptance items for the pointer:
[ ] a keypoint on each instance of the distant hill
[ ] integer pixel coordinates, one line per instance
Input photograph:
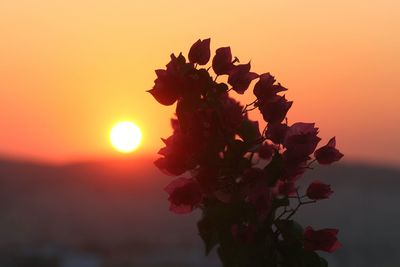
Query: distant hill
(117, 210)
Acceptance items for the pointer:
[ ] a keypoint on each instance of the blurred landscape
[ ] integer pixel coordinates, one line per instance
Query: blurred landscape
(115, 213)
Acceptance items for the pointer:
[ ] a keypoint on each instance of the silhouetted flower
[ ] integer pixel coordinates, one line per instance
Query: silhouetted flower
(328, 153)
(300, 141)
(184, 195)
(222, 61)
(276, 132)
(294, 167)
(324, 239)
(286, 188)
(260, 196)
(200, 52)
(265, 87)
(266, 151)
(240, 78)
(177, 155)
(274, 109)
(245, 182)
(318, 190)
(171, 82)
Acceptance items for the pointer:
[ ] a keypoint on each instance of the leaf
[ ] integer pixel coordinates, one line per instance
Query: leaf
(208, 233)
(312, 259)
(234, 162)
(291, 230)
(275, 169)
(185, 110)
(227, 256)
(249, 131)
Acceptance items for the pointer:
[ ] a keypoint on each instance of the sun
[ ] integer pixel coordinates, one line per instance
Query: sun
(125, 136)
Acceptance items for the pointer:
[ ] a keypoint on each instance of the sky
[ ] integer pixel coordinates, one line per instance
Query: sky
(69, 70)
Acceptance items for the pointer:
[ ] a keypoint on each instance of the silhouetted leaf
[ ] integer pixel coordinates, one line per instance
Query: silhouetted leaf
(249, 131)
(290, 230)
(208, 233)
(275, 169)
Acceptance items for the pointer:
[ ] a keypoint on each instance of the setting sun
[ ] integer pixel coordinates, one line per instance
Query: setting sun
(125, 136)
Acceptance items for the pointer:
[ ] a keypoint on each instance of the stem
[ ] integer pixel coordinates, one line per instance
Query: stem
(249, 105)
(265, 130)
(283, 213)
(299, 204)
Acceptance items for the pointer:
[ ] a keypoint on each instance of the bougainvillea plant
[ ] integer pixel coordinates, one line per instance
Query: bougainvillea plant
(244, 181)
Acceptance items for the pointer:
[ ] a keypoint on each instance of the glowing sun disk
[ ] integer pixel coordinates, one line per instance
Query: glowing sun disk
(125, 136)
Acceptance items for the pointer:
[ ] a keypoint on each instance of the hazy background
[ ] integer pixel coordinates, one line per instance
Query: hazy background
(115, 214)
(69, 70)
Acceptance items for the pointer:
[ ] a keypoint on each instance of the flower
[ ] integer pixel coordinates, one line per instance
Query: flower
(300, 141)
(293, 168)
(240, 78)
(171, 165)
(265, 87)
(244, 181)
(184, 195)
(328, 153)
(200, 52)
(260, 196)
(274, 109)
(318, 190)
(276, 132)
(172, 82)
(222, 61)
(286, 188)
(324, 239)
(266, 151)
(177, 155)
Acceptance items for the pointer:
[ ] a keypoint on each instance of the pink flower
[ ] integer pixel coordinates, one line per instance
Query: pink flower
(163, 90)
(274, 109)
(260, 196)
(294, 168)
(300, 141)
(265, 87)
(324, 239)
(240, 78)
(222, 61)
(200, 52)
(171, 165)
(266, 151)
(177, 155)
(276, 132)
(286, 188)
(318, 190)
(184, 195)
(175, 125)
(328, 153)
(172, 82)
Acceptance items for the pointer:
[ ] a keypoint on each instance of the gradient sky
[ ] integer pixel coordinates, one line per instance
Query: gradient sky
(71, 69)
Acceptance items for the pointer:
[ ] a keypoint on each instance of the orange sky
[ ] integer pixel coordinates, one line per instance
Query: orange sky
(70, 69)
